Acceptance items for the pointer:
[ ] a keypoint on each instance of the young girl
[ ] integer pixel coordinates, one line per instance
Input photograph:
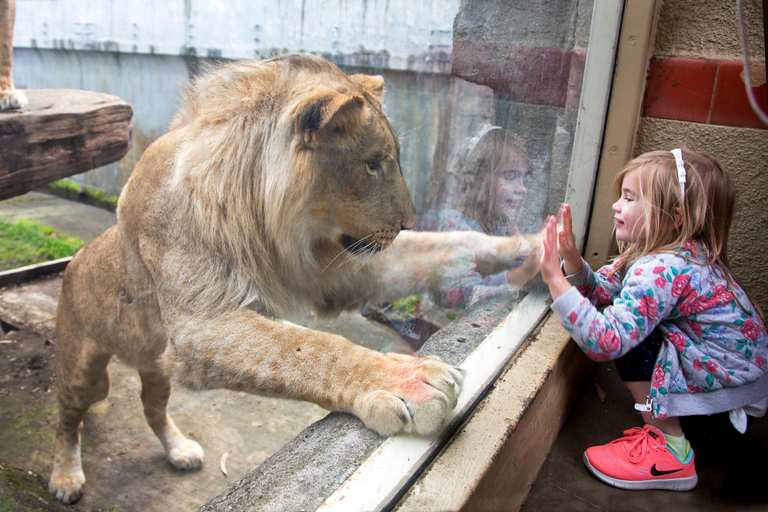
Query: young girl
(684, 334)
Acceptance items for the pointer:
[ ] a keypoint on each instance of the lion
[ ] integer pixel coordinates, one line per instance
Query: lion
(10, 97)
(277, 186)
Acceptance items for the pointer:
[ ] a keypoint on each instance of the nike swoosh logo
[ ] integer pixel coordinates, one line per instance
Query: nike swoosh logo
(658, 472)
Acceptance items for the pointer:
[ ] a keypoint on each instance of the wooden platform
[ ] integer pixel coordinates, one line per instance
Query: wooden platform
(60, 133)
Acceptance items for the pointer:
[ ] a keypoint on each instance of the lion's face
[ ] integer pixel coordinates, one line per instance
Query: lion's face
(352, 155)
(369, 202)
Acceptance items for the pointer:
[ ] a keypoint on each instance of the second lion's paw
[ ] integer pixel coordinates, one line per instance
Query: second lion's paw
(12, 99)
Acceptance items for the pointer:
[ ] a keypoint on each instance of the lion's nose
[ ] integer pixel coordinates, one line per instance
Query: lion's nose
(408, 214)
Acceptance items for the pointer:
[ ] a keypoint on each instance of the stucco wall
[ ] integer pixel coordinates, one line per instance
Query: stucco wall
(708, 30)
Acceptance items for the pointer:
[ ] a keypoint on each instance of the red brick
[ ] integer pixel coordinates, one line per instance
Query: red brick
(520, 73)
(731, 105)
(680, 89)
(548, 76)
(513, 67)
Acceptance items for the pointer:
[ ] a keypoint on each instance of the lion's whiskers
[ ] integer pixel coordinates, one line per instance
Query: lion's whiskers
(334, 259)
(368, 254)
(358, 253)
(351, 253)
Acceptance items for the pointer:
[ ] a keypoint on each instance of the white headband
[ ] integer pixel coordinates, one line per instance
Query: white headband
(474, 140)
(680, 169)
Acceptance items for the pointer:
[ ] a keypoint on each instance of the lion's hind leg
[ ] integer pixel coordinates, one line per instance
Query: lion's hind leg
(83, 379)
(183, 453)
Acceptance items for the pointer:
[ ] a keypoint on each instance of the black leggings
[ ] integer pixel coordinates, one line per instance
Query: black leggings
(637, 364)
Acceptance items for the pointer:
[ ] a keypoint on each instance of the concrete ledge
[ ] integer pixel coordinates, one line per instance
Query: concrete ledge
(492, 461)
(305, 471)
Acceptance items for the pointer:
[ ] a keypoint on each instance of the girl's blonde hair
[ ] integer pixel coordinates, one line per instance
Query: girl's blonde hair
(705, 212)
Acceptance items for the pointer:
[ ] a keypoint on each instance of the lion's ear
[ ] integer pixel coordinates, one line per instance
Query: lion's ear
(373, 84)
(325, 114)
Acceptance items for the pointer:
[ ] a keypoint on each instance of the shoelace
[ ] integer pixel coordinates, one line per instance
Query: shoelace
(639, 444)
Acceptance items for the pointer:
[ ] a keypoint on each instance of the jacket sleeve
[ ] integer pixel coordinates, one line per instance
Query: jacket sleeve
(601, 288)
(642, 303)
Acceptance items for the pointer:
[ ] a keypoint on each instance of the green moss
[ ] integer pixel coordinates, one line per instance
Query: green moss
(24, 198)
(65, 187)
(33, 424)
(407, 307)
(88, 195)
(26, 242)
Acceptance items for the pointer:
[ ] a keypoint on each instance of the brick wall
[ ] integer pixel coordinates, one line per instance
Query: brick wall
(704, 91)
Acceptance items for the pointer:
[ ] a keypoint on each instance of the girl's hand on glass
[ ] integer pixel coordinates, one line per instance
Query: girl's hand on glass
(566, 243)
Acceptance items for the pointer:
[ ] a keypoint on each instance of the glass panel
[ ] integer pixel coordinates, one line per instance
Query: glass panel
(484, 96)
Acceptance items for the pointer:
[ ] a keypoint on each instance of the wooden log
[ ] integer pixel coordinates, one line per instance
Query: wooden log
(60, 133)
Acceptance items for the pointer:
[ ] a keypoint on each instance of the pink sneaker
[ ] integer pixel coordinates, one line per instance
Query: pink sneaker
(641, 460)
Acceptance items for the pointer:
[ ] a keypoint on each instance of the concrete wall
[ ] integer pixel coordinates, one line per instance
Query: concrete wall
(150, 83)
(707, 29)
(145, 53)
(399, 33)
(532, 55)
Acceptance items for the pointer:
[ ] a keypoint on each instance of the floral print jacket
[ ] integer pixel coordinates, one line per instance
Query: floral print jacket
(713, 340)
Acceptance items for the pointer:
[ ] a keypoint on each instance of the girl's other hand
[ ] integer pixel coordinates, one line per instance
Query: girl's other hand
(550, 263)
(566, 243)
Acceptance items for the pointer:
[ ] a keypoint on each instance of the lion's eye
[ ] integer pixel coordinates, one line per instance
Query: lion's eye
(373, 167)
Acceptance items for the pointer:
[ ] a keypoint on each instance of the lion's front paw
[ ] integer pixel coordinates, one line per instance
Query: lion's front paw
(186, 454)
(67, 487)
(421, 392)
(12, 99)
